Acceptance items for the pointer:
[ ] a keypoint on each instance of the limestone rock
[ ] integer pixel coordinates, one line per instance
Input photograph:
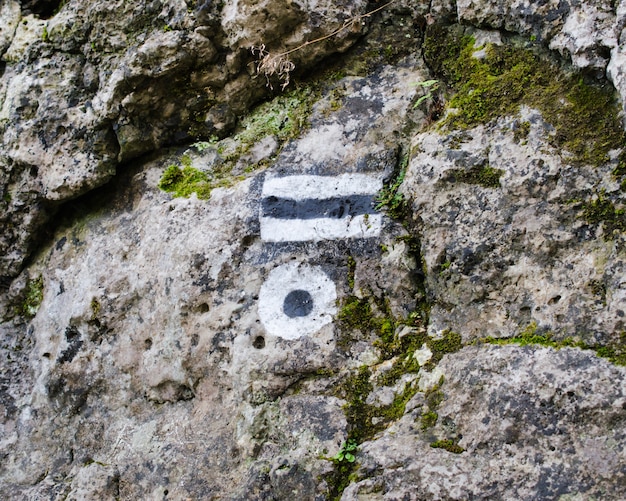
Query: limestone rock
(566, 282)
(199, 389)
(98, 83)
(331, 295)
(10, 16)
(515, 413)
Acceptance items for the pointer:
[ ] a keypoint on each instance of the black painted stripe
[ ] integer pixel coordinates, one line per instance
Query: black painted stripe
(313, 208)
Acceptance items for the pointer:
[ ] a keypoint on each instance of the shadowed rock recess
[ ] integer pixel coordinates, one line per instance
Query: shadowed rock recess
(313, 250)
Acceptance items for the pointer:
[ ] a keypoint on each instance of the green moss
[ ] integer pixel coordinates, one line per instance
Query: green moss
(351, 272)
(285, 117)
(389, 198)
(520, 134)
(602, 210)
(585, 115)
(433, 398)
(614, 351)
(356, 313)
(429, 419)
(482, 175)
(450, 342)
(358, 413)
(95, 308)
(448, 445)
(183, 182)
(33, 297)
(343, 474)
(530, 336)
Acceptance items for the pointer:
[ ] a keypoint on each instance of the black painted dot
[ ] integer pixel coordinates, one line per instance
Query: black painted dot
(298, 303)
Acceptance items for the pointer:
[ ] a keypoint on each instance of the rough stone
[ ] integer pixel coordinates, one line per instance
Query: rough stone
(467, 337)
(516, 413)
(472, 236)
(110, 81)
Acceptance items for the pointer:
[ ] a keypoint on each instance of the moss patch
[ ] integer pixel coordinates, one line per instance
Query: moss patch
(485, 176)
(614, 351)
(182, 182)
(601, 210)
(584, 114)
(33, 297)
(284, 118)
(434, 397)
(448, 445)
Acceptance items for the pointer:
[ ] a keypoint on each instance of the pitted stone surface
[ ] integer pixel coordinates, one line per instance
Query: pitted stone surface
(136, 360)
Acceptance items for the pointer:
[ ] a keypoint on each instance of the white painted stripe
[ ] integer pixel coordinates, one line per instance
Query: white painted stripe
(300, 230)
(302, 187)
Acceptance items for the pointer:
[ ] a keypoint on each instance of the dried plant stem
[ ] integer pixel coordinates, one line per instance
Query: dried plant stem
(280, 65)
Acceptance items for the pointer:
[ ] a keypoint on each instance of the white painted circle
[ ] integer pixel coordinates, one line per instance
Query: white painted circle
(301, 281)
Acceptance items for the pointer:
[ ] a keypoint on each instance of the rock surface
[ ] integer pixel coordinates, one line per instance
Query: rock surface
(338, 294)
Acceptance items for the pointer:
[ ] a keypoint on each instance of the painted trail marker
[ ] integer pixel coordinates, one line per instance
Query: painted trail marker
(305, 207)
(298, 299)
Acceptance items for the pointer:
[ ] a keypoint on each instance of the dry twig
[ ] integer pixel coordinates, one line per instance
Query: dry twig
(280, 64)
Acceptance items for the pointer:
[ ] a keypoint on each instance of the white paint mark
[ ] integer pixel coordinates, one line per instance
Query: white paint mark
(286, 279)
(303, 187)
(301, 230)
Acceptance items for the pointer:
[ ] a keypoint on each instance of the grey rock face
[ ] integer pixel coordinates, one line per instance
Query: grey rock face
(181, 331)
(506, 256)
(100, 83)
(285, 337)
(514, 411)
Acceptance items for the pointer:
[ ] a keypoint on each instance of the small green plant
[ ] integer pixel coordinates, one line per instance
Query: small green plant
(433, 85)
(444, 267)
(390, 198)
(347, 452)
(201, 146)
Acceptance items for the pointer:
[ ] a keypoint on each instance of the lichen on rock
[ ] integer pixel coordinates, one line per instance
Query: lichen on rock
(399, 277)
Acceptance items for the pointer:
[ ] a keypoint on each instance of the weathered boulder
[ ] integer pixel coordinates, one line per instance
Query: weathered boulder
(399, 278)
(514, 415)
(515, 249)
(95, 84)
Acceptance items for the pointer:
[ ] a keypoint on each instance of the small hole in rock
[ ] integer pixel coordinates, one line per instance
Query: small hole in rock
(203, 308)
(148, 343)
(554, 300)
(259, 342)
(46, 355)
